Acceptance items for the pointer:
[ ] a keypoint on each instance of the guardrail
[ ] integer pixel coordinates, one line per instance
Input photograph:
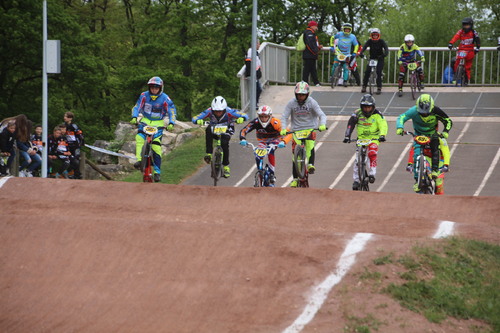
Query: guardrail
(283, 65)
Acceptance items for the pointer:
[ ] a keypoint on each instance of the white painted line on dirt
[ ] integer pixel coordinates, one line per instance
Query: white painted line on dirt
(488, 173)
(395, 166)
(316, 148)
(252, 169)
(341, 174)
(445, 229)
(4, 180)
(321, 291)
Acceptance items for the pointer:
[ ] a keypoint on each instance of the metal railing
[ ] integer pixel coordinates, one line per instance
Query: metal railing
(283, 65)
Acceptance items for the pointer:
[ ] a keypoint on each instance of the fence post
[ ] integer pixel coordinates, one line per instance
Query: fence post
(82, 164)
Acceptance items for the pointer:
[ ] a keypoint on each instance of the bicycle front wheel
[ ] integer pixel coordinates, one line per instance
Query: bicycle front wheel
(459, 75)
(422, 174)
(145, 152)
(413, 85)
(336, 76)
(299, 161)
(259, 179)
(372, 82)
(217, 164)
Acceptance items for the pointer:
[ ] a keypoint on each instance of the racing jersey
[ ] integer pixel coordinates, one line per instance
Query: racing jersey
(408, 55)
(467, 40)
(36, 140)
(425, 125)
(155, 107)
(303, 116)
(346, 44)
(58, 146)
(367, 127)
(227, 118)
(271, 131)
(74, 135)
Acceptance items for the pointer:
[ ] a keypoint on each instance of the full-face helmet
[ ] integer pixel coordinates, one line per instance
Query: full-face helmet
(219, 104)
(425, 105)
(301, 88)
(346, 26)
(156, 82)
(367, 100)
(469, 22)
(375, 34)
(264, 114)
(409, 38)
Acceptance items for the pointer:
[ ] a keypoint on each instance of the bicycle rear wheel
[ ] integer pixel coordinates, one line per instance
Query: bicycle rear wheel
(299, 161)
(217, 164)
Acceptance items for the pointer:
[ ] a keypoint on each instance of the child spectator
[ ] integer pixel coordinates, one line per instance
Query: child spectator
(74, 135)
(37, 142)
(32, 160)
(58, 153)
(7, 140)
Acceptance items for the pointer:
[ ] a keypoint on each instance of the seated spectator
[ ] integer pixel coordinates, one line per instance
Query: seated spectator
(7, 151)
(448, 73)
(28, 153)
(58, 153)
(74, 135)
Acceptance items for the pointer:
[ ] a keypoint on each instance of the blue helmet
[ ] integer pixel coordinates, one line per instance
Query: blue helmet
(156, 81)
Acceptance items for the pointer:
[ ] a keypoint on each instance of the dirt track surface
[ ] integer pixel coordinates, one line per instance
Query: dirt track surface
(95, 256)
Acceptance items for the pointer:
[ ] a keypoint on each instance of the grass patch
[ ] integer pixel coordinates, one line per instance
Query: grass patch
(180, 163)
(362, 324)
(457, 277)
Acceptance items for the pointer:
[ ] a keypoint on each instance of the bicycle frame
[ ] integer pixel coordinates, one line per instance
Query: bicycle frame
(425, 182)
(263, 174)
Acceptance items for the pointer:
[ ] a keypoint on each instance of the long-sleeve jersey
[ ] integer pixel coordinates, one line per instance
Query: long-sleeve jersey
(444, 153)
(367, 127)
(74, 135)
(271, 131)
(303, 116)
(57, 146)
(228, 118)
(378, 48)
(425, 125)
(408, 55)
(467, 40)
(346, 44)
(155, 107)
(36, 141)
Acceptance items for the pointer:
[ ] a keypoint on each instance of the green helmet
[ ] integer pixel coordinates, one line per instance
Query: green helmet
(425, 105)
(347, 26)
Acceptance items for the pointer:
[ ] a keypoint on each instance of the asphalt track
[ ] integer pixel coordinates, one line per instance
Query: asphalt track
(474, 142)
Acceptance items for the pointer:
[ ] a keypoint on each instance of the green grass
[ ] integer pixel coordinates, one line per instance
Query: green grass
(180, 163)
(457, 277)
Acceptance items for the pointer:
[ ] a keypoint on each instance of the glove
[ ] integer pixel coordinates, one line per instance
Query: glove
(422, 59)
(283, 132)
(243, 143)
(399, 131)
(199, 122)
(347, 140)
(281, 144)
(444, 135)
(476, 50)
(381, 138)
(322, 127)
(400, 63)
(240, 120)
(353, 55)
(170, 127)
(361, 55)
(445, 168)
(409, 168)
(133, 121)
(450, 46)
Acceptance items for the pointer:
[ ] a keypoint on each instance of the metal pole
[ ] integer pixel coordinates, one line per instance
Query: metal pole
(253, 74)
(44, 94)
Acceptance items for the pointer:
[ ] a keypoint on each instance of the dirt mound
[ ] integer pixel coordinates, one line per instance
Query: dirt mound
(112, 256)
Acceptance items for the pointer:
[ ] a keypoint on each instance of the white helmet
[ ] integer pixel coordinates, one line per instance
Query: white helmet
(264, 110)
(219, 104)
(409, 38)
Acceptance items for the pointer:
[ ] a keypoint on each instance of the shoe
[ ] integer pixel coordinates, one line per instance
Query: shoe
(434, 174)
(318, 85)
(345, 84)
(28, 173)
(400, 92)
(371, 179)
(272, 179)
(227, 171)
(157, 177)
(355, 186)
(379, 91)
(137, 165)
(311, 169)
(363, 90)
(22, 173)
(294, 183)
(416, 188)
(208, 158)
(421, 86)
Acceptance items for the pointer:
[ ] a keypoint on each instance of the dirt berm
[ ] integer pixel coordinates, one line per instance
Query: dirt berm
(97, 256)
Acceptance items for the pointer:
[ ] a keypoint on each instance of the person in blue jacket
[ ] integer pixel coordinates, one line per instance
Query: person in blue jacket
(219, 114)
(153, 108)
(346, 42)
(448, 73)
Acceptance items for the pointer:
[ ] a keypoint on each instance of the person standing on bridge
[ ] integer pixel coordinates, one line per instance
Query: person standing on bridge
(425, 116)
(305, 114)
(310, 54)
(370, 125)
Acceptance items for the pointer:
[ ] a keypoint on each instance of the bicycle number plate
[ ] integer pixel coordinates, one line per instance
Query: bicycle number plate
(412, 66)
(363, 142)
(220, 129)
(302, 134)
(341, 57)
(150, 130)
(260, 152)
(462, 54)
(373, 63)
(422, 139)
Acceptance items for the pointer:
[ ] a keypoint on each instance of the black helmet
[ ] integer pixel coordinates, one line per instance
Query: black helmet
(367, 100)
(468, 21)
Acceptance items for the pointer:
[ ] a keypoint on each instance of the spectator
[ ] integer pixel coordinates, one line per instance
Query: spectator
(58, 153)
(31, 160)
(258, 69)
(74, 135)
(310, 54)
(7, 140)
(449, 73)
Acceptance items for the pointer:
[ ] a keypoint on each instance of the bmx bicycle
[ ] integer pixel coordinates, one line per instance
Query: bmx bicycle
(217, 155)
(460, 77)
(372, 79)
(338, 73)
(363, 163)
(300, 161)
(263, 175)
(147, 163)
(422, 166)
(414, 79)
